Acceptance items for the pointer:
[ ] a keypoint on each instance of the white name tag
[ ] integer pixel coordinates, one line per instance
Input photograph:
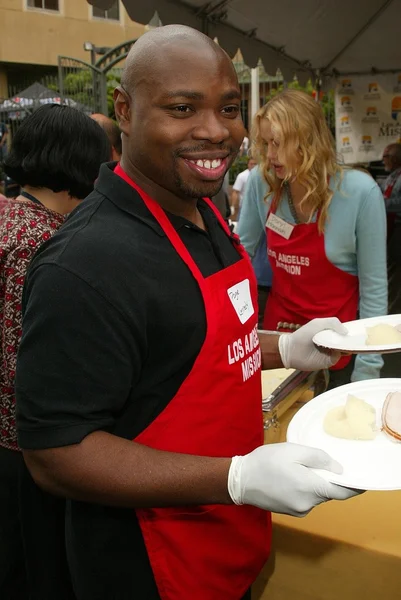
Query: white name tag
(279, 226)
(240, 296)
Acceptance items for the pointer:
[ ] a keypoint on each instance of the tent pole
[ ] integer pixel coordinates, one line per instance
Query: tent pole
(60, 79)
(318, 86)
(255, 102)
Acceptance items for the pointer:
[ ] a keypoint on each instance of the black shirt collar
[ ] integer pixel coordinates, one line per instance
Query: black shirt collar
(126, 198)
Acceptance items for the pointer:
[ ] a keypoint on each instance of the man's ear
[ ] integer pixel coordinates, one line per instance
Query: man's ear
(122, 109)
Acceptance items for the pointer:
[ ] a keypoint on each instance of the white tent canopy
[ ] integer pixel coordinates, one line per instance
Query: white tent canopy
(300, 37)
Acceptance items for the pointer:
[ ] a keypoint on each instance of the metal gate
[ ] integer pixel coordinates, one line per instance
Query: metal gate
(82, 83)
(91, 85)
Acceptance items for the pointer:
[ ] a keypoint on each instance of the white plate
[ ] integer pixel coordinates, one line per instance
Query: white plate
(368, 465)
(355, 341)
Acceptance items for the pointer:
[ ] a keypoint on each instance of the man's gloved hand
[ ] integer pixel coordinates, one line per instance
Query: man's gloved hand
(278, 477)
(298, 351)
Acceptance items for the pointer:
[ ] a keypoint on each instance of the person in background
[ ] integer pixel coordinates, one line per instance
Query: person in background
(238, 190)
(113, 132)
(3, 141)
(243, 151)
(391, 188)
(133, 399)
(55, 158)
(326, 226)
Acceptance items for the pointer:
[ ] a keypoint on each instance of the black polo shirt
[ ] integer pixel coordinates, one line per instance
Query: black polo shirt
(113, 322)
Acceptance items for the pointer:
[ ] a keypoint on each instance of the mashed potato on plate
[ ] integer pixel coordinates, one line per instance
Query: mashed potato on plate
(356, 420)
(383, 334)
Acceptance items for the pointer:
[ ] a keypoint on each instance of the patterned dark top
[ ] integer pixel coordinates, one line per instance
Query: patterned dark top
(24, 227)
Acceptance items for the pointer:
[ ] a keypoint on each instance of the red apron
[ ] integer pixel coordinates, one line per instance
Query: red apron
(306, 285)
(211, 552)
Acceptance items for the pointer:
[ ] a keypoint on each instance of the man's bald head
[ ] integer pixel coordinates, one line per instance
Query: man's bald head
(154, 47)
(113, 133)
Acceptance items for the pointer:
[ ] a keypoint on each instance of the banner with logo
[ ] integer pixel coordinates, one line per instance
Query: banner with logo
(368, 116)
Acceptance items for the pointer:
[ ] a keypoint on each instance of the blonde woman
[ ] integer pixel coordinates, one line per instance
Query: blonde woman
(325, 225)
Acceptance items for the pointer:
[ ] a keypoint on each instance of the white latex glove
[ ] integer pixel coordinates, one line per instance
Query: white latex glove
(278, 477)
(298, 351)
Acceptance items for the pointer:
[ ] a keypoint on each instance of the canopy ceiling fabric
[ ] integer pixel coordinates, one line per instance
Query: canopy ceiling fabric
(302, 37)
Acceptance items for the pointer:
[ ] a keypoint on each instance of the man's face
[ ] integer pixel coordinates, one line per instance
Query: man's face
(388, 160)
(186, 126)
(251, 164)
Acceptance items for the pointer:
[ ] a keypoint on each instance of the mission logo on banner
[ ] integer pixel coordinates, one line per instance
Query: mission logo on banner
(366, 144)
(368, 116)
(346, 147)
(373, 92)
(346, 87)
(345, 124)
(346, 105)
(371, 115)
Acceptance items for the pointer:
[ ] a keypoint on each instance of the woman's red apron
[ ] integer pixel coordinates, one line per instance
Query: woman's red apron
(211, 552)
(306, 285)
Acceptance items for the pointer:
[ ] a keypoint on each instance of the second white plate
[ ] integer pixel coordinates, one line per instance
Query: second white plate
(368, 465)
(355, 341)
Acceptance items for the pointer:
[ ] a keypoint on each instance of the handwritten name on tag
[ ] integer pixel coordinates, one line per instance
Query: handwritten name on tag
(279, 226)
(240, 296)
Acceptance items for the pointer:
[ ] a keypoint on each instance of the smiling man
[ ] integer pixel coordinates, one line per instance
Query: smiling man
(180, 104)
(138, 379)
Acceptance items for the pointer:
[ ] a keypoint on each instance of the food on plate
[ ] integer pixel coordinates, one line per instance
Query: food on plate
(391, 415)
(382, 334)
(356, 420)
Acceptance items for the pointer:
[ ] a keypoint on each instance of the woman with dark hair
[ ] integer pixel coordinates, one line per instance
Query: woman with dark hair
(55, 157)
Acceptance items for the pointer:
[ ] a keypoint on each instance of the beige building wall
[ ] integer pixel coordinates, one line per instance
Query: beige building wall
(32, 36)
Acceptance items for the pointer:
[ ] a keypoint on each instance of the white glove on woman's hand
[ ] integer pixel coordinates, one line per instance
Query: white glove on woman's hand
(298, 351)
(278, 477)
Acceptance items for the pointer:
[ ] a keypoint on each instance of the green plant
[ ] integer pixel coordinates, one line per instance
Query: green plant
(239, 165)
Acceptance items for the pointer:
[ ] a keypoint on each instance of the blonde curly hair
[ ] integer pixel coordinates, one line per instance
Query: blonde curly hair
(306, 148)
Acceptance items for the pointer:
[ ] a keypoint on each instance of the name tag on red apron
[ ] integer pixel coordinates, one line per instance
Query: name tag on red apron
(240, 296)
(279, 226)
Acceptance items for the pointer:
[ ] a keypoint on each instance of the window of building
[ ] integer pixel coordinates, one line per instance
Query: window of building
(44, 4)
(112, 14)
